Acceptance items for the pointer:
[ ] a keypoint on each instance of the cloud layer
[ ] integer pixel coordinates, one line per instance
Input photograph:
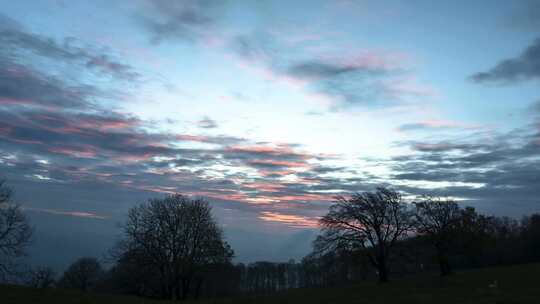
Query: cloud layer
(524, 67)
(62, 132)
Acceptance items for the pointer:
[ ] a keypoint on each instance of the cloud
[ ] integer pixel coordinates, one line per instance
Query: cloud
(15, 41)
(290, 220)
(319, 70)
(57, 134)
(102, 135)
(50, 134)
(433, 125)
(276, 152)
(276, 165)
(355, 77)
(207, 123)
(369, 63)
(57, 144)
(498, 174)
(258, 47)
(81, 214)
(365, 77)
(187, 20)
(350, 84)
(61, 138)
(20, 85)
(524, 67)
(445, 146)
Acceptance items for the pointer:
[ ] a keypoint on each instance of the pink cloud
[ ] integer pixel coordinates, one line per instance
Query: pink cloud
(294, 221)
(12, 101)
(78, 152)
(83, 214)
(196, 138)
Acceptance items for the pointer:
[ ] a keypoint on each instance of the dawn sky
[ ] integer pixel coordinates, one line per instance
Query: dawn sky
(266, 108)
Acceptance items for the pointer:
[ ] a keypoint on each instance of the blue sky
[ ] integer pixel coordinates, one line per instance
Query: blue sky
(265, 108)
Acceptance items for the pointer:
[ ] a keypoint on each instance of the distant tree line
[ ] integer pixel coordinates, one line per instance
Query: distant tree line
(367, 236)
(173, 248)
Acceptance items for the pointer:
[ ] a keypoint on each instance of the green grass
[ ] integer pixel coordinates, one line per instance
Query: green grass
(517, 284)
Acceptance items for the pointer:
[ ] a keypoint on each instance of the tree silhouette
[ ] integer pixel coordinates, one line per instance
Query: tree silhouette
(83, 274)
(531, 236)
(437, 219)
(15, 231)
(177, 237)
(41, 277)
(374, 221)
(474, 236)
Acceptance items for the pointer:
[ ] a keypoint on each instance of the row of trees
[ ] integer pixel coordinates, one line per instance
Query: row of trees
(172, 248)
(382, 226)
(477, 241)
(366, 236)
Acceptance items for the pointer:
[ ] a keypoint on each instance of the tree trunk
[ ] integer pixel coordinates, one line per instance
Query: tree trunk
(444, 264)
(198, 288)
(382, 268)
(383, 274)
(164, 284)
(185, 288)
(177, 295)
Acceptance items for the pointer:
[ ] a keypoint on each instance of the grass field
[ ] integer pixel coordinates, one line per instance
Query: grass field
(516, 284)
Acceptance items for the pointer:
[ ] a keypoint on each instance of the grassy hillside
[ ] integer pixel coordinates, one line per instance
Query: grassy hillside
(517, 284)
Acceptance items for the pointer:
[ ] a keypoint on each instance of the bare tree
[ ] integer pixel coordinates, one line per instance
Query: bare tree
(83, 274)
(437, 219)
(373, 221)
(176, 236)
(42, 277)
(15, 231)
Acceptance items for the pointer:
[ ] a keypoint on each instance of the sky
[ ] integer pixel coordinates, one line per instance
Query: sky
(268, 109)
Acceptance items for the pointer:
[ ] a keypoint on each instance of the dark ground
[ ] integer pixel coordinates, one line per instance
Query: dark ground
(516, 284)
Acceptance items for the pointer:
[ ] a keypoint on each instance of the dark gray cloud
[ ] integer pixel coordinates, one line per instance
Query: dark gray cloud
(257, 47)
(14, 41)
(47, 115)
(100, 135)
(445, 146)
(352, 84)
(434, 126)
(366, 83)
(207, 123)
(369, 80)
(60, 137)
(524, 67)
(21, 85)
(414, 126)
(179, 20)
(321, 169)
(498, 175)
(112, 147)
(319, 69)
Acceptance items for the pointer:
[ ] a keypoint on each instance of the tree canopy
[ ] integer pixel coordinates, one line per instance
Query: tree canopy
(15, 231)
(177, 237)
(374, 220)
